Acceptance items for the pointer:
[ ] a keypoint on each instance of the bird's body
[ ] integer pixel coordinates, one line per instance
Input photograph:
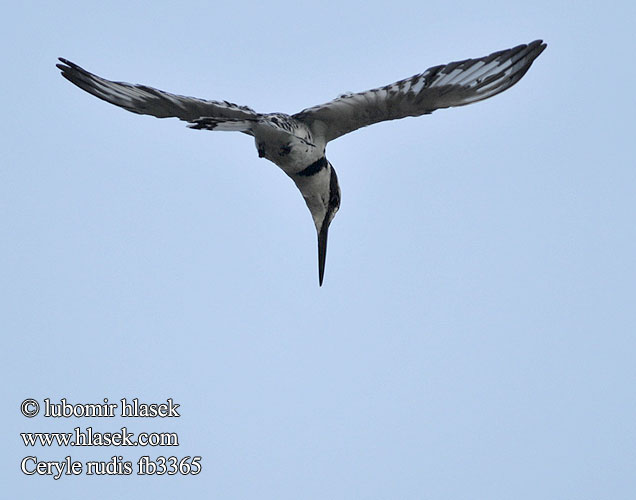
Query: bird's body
(296, 143)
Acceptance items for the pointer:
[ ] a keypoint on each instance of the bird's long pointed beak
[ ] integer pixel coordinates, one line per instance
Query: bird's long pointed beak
(322, 251)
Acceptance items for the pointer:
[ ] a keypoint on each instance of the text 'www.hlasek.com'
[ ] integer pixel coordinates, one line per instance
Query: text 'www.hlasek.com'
(88, 436)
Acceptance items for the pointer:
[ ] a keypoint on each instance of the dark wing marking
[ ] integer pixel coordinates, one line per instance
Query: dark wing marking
(149, 101)
(455, 84)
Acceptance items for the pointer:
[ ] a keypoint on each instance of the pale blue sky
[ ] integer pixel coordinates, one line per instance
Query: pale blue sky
(474, 337)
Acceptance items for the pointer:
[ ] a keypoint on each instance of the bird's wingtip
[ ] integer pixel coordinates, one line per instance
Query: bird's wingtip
(68, 65)
(539, 45)
(64, 65)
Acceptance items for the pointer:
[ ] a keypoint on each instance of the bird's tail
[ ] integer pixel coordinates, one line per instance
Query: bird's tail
(224, 124)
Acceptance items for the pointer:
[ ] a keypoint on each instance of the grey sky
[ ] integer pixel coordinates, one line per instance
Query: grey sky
(474, 337)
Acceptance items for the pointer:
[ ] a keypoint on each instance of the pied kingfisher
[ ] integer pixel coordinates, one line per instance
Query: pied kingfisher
(297, 143)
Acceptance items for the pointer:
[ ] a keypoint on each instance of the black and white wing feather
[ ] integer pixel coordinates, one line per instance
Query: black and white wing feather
(455, 84)
(145, 100)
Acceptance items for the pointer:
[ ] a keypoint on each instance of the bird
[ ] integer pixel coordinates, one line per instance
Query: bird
(297, 143)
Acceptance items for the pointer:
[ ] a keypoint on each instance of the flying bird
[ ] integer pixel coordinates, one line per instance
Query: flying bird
(296, 143)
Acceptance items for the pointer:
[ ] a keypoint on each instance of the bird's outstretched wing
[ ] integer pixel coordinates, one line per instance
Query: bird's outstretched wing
(149, 101)
(455, 84)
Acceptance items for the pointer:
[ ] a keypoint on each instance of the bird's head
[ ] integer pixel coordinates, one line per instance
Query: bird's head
(322, 195)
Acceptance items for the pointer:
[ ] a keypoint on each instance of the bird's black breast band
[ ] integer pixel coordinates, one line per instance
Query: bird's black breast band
(314, 168)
